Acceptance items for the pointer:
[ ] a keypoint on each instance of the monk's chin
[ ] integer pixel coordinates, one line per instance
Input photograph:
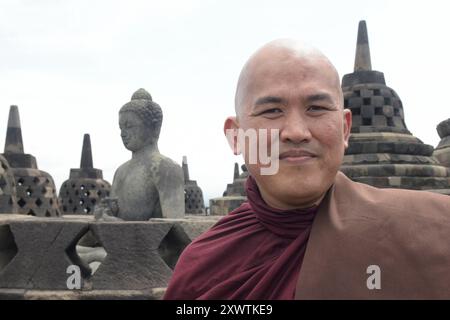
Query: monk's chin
(301, 198)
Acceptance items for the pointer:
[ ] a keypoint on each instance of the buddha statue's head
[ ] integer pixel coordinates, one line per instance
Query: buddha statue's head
(140, 121)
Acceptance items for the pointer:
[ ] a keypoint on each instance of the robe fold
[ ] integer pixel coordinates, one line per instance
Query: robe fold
(254, 252)
(405, 233)
(329, 252)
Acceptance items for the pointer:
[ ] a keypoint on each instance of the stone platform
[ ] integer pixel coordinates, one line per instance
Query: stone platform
(35, 254)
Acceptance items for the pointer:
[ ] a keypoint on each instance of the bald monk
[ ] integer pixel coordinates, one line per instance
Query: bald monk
(307, 231)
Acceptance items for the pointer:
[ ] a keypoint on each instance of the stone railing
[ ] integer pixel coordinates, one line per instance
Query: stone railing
(41, 258)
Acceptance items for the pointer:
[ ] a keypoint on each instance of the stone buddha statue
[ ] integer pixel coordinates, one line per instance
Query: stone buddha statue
(149, 185)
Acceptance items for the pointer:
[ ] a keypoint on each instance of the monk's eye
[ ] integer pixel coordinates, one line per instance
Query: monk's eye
(317, 108)
(272, 112)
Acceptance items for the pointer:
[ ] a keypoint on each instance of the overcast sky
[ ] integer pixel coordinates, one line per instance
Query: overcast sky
(70, 66)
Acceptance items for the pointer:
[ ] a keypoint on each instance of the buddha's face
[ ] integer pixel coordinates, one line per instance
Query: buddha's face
(135, 134)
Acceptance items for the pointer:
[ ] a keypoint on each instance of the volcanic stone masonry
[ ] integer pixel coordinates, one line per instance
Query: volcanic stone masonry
(193, 195)
(8, 200)
(233, 196)
(442, 151)
(36, 191)
(85, 186)
(382, 152)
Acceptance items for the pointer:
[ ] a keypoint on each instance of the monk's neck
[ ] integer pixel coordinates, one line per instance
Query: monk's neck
(146, 151)
(276, 204)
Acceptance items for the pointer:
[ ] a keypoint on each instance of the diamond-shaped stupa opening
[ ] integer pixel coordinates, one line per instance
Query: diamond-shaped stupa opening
(21, 202)
(20, 181)
(87, 252)
(8, 247)
(173, 244)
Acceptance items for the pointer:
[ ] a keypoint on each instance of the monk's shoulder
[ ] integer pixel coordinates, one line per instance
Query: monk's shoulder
(393, 204)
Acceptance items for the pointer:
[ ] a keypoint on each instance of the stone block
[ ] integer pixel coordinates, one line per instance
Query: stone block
(133, 260)
(355, 102)
(388, 111)
(377, 101)
(366, 93)
(378, 120)
(356, 121)
(224, 205)
(367, 112)
(41, 261)
(443, 128)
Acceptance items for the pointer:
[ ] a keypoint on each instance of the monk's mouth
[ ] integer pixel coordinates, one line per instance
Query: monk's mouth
(297, 156)
(297, 159)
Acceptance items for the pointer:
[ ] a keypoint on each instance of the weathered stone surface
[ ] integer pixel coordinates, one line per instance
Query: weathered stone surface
(195, 225)
(233, 196)
(442, 152)
(444, 143)
(413, 183)
(41, 260)
(85, 186)
(193, 195)
(362, 56)
(8, 198)
(390, 147)
(21, 294)
(133, 262)
(382, 152)
(386, 170)
(136, 256)
(149, 185)
(224, 205)
(237, 187)
(36, 191)
(443, 128)
(383, 137)
(443, 156)
(12, 294)
(8, 247)
(386, 158)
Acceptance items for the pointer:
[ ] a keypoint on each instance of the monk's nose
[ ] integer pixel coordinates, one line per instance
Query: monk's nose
(295, 129)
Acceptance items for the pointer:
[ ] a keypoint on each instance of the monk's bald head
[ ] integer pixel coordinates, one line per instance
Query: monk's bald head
(276, 56)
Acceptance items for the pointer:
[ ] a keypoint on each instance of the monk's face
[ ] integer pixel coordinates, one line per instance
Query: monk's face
(135, 135)
(301, 98)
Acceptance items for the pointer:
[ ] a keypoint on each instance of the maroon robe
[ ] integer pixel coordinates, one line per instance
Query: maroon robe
(255, 252)
(405, 233)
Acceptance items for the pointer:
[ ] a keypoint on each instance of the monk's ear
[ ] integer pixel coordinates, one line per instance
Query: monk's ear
(231, 129)
(347, 125)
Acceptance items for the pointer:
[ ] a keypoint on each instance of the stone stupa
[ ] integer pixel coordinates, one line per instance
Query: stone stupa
(8, 199)
(382, 151)
(233, 196)
(193, 195)
(85, 186)
(36, 191)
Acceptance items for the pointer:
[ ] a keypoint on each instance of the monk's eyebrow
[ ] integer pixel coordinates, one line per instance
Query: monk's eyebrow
(319, 97)
(268, 100)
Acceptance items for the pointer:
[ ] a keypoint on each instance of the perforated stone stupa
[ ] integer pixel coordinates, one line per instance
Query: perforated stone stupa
(85, 186)
(8, 200)
(233, 196)
(193, 195)
(36, 191)
(382, 152)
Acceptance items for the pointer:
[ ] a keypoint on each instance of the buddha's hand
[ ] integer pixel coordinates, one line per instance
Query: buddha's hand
(107, 209)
